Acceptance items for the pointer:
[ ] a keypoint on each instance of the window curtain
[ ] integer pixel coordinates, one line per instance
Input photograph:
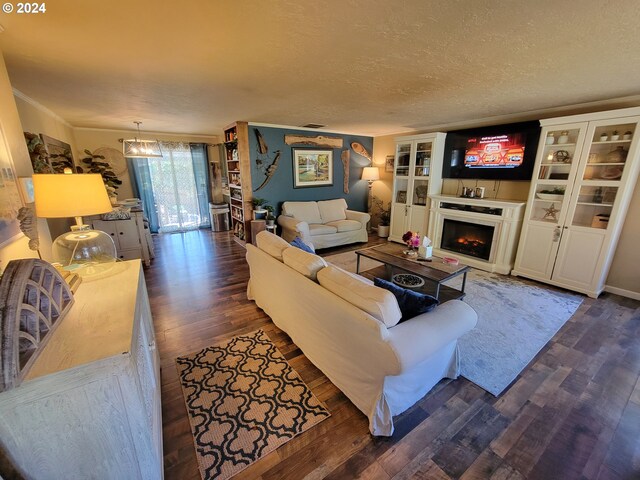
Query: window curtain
(200, 160)
(142, 189)
(174, 187)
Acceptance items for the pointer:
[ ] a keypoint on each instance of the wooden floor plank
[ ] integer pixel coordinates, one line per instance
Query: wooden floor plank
(573, 411)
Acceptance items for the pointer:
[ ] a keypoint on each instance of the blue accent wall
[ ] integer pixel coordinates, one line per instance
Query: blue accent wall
(280, 188)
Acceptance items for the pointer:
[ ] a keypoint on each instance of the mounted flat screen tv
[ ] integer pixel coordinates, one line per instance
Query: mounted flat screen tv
(500, 152)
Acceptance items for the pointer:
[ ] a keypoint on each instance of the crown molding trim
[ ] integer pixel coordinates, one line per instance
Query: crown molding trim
(42, 108)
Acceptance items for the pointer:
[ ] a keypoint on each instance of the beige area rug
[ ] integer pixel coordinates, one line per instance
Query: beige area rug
(243, 400)
(516, 319)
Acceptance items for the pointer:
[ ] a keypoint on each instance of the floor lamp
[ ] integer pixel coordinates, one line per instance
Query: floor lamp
(370, 174)
(75, 195)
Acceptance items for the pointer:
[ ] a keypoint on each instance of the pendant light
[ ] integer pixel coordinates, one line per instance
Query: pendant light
(138, 148)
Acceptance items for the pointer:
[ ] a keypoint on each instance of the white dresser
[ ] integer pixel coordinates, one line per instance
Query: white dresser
(89, 407)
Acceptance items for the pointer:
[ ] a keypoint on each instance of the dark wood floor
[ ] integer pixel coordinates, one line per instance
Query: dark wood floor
(573, 413)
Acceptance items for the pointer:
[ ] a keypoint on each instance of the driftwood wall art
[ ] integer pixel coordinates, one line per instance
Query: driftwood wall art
(34, 299)
(262, 145)
(360, 150)
(271, 170)
(346, 158)
(316, 141)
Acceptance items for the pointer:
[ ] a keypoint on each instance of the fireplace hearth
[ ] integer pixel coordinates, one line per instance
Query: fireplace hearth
(483, 232)
(467, 238)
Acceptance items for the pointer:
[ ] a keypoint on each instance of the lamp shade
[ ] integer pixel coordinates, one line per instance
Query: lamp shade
(75, 195)
(370, 173)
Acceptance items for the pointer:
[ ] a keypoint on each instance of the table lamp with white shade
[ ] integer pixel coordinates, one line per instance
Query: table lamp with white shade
(75, 195)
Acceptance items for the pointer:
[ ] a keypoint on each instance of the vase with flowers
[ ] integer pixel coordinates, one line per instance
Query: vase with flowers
(412, 239)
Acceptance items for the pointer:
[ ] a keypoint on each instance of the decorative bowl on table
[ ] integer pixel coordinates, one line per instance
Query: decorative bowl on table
(407, 280)
(550, 196)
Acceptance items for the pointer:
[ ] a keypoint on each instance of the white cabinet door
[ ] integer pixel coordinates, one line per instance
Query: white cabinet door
(578, 257)
(128, 236)
(398, 221)
(417, 219)
(109, 228)
(538, 250)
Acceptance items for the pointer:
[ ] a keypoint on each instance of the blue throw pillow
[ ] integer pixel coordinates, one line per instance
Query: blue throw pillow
(297, 242)
(411, 303)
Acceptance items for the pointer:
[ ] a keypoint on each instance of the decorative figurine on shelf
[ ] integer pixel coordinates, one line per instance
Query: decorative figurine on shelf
(604, 137)
(627, 135)
(412, 239)
(597, 195)
(562, 156)
(550, 213)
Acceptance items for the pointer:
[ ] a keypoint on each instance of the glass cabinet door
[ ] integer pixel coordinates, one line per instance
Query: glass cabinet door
(597, 187)
(423, 159)
(403, 159)
(560, 156)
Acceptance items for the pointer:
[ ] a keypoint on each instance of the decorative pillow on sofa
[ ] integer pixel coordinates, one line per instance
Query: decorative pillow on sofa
(411, 303)
(333, 210)
(297, 242)
(271, 244)
(303, 262)
(361, 292)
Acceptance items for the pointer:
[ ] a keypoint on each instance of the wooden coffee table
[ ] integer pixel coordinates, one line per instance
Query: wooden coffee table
(435, 273)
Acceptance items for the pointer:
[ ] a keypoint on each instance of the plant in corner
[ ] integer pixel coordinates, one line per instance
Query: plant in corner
(94, 165)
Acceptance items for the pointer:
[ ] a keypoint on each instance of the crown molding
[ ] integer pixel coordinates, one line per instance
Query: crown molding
(146, 132)
(42, 108)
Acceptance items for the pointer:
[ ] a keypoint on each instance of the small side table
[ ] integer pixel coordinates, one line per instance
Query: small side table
(272, 228)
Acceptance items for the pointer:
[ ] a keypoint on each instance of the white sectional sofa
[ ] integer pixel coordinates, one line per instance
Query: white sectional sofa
(349, 329)
(323, 224)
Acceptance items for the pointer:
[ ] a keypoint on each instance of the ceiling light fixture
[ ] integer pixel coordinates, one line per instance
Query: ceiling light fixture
(138, 148)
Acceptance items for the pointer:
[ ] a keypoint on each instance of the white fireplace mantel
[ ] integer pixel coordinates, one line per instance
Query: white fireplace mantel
(505, 216)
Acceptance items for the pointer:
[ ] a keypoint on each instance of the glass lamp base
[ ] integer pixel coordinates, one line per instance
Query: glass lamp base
(83, 249)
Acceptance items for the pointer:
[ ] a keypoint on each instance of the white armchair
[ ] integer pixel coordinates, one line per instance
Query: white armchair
(323, 224)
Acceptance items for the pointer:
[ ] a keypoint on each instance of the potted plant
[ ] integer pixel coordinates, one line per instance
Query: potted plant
(93, 164)
(383, 225)
(271, 219)
(259, 212)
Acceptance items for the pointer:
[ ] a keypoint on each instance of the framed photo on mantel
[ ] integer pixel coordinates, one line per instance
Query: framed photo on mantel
(312, 168)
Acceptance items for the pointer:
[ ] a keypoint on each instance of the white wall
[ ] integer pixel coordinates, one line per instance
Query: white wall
(12, 128)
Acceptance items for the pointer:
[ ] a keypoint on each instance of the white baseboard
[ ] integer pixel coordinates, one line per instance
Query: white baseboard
(622, 292)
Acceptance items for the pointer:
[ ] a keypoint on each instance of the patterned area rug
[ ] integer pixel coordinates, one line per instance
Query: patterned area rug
(516, 319)
(243, 400)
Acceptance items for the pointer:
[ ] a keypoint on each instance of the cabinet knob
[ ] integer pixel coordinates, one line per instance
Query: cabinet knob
(112, 234)
(565, 227)
(121, 233)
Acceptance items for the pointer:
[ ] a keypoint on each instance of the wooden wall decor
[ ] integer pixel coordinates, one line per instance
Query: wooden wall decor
(262, 145)
(360, 150)
(316, 141)
(346, 158)
(271, 170)
(34, 298)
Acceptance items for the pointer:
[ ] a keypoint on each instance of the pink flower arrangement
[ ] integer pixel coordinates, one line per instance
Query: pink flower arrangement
(412, 239)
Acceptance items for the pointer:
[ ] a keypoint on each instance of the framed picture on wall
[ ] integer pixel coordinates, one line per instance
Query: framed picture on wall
(60, 154)
(388, 164)
(312, 168)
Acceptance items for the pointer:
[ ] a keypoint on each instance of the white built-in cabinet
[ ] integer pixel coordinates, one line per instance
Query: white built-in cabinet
(584, 177)
(417, 174)
(131, 237)
(89, 406)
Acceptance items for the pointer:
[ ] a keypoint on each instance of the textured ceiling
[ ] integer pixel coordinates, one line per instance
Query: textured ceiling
(368, 67)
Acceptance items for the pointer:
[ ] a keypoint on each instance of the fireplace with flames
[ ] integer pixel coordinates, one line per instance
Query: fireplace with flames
(471, 239)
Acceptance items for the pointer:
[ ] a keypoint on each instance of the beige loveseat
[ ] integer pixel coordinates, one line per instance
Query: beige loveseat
(349, 329)
(323, 224)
